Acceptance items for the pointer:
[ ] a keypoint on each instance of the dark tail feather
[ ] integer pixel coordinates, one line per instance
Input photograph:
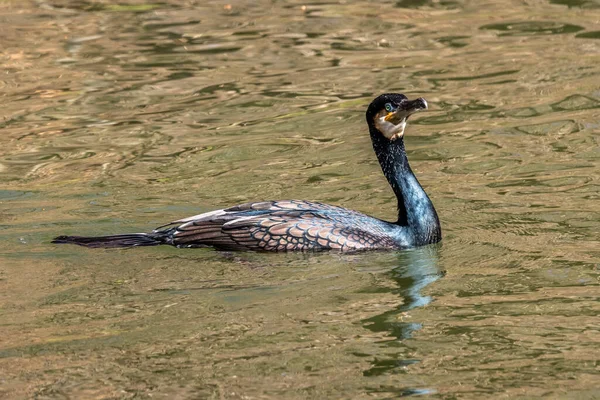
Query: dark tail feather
(113, 241)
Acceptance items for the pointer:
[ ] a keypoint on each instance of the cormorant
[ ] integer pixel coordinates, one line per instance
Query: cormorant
(300, 225)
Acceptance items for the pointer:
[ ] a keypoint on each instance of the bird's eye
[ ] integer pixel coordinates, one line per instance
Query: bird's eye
(389, 107)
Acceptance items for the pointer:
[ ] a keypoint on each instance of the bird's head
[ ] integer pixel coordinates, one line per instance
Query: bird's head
(389, 112)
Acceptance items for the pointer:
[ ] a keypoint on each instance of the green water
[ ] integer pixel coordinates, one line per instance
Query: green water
(119, 117)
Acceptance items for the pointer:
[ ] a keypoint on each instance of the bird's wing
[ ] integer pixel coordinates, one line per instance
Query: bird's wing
(289, 225)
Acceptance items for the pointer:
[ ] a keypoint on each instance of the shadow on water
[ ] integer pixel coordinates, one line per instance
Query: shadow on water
(416, 269)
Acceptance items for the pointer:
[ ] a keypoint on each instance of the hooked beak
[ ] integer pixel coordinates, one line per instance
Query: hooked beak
(405, 110)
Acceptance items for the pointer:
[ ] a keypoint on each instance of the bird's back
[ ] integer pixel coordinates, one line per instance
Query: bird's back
(289, 225)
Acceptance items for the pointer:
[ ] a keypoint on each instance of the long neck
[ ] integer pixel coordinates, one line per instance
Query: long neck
(415, 210)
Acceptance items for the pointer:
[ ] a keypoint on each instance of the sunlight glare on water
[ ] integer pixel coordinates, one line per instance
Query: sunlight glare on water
(121, 116)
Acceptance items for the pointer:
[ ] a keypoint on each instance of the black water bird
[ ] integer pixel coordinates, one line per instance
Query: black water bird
(299, 225)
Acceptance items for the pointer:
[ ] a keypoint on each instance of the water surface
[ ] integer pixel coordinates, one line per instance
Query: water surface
(121, 116)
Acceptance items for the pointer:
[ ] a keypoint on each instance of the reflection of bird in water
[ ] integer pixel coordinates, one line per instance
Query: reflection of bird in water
(298, 225)
(416, 269)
